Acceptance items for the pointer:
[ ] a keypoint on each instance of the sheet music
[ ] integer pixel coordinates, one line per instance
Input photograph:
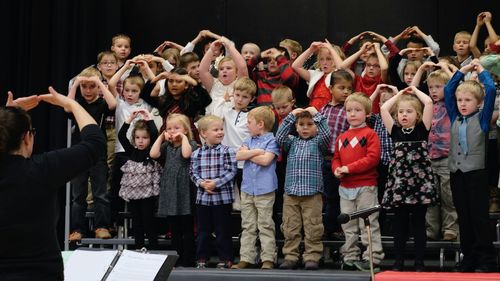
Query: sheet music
(135, 266)
(88, 265)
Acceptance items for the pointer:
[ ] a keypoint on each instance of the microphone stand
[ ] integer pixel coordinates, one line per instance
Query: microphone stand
(370, 252)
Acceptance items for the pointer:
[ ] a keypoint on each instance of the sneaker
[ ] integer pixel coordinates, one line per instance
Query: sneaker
(224, 264)
(364, 265)
(102, 233)
(348, 265)
(201, 264)
(450, 237)
(75, 236)
(311, 265)
(267, 265)
(241, 265)
(288, 264)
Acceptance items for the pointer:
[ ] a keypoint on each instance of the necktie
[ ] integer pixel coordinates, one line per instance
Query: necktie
(462, 135)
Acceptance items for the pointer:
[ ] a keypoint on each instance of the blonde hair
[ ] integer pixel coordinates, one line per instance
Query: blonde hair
(225, 59)
(172, 53)
(252, 45)
(462, 33)
(414, 64)
(120, 36)
(90, 71)
(282, 94)
(327, 51)
(438, 75)
(360, 98)
(183, 120)
(264, 114)
(134, 80)
(245, 84)
(101, 55)
(473, 87)
(208, 120)
(414, 102)
(293, 45)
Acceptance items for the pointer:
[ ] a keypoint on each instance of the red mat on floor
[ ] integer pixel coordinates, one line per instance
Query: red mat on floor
(435, 276)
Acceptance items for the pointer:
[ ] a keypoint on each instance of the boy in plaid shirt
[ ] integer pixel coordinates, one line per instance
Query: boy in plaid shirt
(303, 185)
(213, 167)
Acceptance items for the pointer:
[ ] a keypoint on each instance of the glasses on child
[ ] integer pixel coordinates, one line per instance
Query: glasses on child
(107, 63)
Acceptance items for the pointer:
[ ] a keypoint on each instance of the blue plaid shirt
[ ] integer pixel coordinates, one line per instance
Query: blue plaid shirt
(376, 123)
(217, 163)
(305, 157)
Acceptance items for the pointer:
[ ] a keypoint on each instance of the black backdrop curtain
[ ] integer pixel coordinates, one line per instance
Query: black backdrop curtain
(48, 42)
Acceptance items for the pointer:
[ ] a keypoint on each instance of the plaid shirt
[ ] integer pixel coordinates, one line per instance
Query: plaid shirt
(217, 163)
(337, 122)
(305, 157)
(375, 121)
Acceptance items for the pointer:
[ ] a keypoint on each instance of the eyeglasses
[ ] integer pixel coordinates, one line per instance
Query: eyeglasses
(108, 63)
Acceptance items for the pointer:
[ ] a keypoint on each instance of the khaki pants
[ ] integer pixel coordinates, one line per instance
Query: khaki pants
(298, 212)
(257, 214)
(442, 218)
(350, 251)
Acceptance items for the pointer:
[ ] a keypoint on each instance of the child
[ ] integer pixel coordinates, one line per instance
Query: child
(141, 176)
(294, 50)
(283, 101)
(410, 185)
(229, 69)
(334, 113)
(89, 83)
(303, 185)
(120, 45)
(278, 72)
(375, 71)
(250, 51)
(319, 79)
(461, 47)
(469, 179)
(213, 167)
(257, 189)
(375, 121)
(176, 144)
(126, 103)
(357, 153)
(235, 118)
(441, 220)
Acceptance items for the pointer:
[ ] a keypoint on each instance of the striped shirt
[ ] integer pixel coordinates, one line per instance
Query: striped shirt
(218, 163)
(337, 122)
(305, 157)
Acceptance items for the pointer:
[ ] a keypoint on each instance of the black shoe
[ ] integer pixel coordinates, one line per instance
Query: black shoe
(419, 266)
(398, 265)
(485, 268)
(464, 267)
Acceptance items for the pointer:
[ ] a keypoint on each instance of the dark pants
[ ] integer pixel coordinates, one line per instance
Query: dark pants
(470, 196)
(183, 238)
(403, 216)
(117, 203)
(143, 221)
(79, 189)
(278, 199)
(332, 199)
(218, 219)
(381, 181)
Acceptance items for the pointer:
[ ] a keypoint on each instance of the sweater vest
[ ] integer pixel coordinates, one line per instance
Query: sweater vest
(475, 159)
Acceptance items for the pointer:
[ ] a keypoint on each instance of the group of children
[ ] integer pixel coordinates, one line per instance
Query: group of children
(359, 141)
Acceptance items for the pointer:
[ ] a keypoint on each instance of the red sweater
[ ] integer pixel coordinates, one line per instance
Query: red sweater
(359, 150)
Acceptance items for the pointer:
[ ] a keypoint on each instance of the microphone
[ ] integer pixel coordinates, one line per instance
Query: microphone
(344, 218)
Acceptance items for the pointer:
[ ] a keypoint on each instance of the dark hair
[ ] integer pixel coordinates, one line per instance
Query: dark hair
(140, 125)
(340, 74)
(14, 123)
(303, 114)
(167, 100)
(416, 40)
